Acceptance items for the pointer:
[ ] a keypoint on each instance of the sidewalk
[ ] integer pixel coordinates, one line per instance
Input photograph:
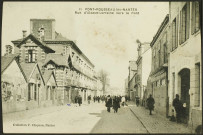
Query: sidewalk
(156, 123)
(35, 112)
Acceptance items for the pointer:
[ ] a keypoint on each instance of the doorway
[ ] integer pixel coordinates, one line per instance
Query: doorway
(184, 83)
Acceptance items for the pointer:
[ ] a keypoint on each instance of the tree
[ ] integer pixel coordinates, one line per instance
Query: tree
(103, 76)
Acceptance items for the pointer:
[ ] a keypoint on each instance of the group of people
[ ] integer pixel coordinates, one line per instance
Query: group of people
(98, 98)
(114, 102)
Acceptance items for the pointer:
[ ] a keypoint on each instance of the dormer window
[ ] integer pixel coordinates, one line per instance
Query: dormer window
(31, 56)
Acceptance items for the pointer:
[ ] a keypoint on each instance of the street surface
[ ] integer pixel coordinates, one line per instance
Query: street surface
(87, 118)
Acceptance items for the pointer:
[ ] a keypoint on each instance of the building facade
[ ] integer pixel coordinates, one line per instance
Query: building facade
(132, 68)
(159, 68)
(143, 69)
(73, 70)
(185, 67)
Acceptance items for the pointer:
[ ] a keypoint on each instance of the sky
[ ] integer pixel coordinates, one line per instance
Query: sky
(109, 41)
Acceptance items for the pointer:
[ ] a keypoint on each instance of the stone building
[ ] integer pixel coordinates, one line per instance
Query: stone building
(185, 67)
(74, 75)
(143, 69)
(35, 83)
(159, 68)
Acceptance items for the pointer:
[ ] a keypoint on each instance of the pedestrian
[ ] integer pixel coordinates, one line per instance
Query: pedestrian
(178, 108)
(123, 101)
(116, 104)
(102, 99)
(98, 99)
(76, 99)
(150, 104)
(108, 103)
(79, 100)
(94, 98)
(89, 99)
(137, 100)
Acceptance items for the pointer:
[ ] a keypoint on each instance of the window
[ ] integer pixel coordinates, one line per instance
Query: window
(35, 92)
(162, 82)
(173, 85)
(31, 56)
(197, 85)
(184, 23)
(30, 91)
(195, 17)
(174, 34)
(165, 53)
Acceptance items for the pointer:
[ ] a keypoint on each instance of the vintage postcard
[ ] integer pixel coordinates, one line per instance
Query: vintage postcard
(101, 67)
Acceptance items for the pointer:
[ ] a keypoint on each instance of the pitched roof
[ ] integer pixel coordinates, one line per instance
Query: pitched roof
(6, 61)
(37, 41)
(47, 74)
(58, 59)
(28, 68)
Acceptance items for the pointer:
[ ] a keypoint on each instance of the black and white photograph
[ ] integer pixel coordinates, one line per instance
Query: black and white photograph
(101, 67)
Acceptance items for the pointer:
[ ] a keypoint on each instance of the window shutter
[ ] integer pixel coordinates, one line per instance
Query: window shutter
(35, 51)
(197, 23)
(188, 20)
(193, 18)
(180, 28)
(176, 30)
(26, 55)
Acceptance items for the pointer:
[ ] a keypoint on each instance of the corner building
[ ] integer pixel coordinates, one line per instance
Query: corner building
(185, 66)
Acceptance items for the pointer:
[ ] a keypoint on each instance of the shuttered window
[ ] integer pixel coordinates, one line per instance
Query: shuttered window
(174, 34)
(197, 85)
(184, 23)
(195, 17)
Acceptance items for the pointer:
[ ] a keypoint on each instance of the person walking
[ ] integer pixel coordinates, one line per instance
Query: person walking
(123, 101)
(79, 100)
(137, 100)
(89, 99)
(150, 104)
(178, 108)
(98, 99)
(76, 99)
(108, 103)
(116, 104)
(94, 98)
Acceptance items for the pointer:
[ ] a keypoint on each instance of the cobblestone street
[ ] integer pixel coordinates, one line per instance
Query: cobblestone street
(94, 119)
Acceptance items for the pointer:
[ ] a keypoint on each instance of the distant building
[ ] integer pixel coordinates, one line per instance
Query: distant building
(132, 68)
(143, 69)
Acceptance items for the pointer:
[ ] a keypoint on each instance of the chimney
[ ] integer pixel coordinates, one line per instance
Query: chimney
(9, 49)
(24, 33)
(41, 33)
